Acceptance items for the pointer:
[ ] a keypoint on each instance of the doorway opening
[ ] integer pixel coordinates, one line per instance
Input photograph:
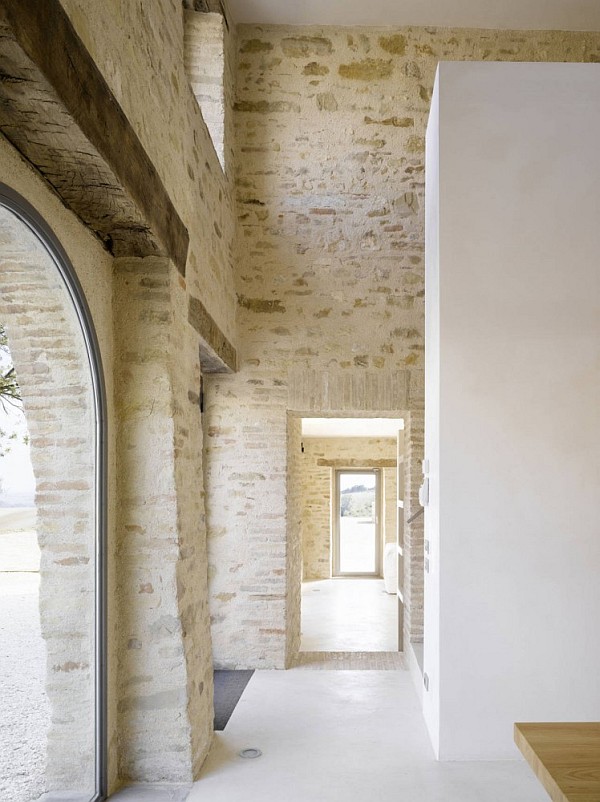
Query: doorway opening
(356, 530)
(348, 489)
(52, 522)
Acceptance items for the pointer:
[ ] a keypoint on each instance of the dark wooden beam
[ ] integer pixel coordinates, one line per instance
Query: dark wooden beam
(59, 112)
(208, 7)
(217, 354)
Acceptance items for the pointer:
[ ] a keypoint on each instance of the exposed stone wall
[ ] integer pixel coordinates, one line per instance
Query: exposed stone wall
(413, 532)
(210, 66)
(166, 683)
(139, 47)
(246, 464)
(295, 523)
(316, 483)
(192, 566)
(316, 494)
(246, 482)
(390, 504)
(330, 126)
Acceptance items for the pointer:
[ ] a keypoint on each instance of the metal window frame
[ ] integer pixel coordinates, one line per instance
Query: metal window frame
(30, 217)
(335, 524)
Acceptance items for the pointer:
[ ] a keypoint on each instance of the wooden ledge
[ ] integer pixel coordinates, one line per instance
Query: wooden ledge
(564, 757)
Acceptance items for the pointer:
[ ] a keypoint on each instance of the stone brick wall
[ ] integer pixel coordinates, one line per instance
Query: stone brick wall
(295, 523)
(170, 126)
(330, 126)
(164, 674)
(139, 49)
(246, 482)
(413, 532)
(211, 75)
(316, 494)
(165, 695)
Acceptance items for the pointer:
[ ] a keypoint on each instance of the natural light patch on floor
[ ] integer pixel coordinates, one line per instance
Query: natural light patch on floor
(348, 615)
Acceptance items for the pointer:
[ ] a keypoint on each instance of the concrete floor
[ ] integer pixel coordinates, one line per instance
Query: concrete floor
(344, 736)
(348, 615)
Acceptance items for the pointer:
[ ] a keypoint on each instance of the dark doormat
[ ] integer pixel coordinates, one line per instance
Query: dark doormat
(229, 687)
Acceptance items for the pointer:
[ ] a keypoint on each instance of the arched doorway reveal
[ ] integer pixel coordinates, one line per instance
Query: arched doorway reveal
(57, 363)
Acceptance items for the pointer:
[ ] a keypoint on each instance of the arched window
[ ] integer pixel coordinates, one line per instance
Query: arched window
(52, 555)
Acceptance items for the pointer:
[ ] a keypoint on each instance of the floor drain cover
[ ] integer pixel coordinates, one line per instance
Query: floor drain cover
(252, 752)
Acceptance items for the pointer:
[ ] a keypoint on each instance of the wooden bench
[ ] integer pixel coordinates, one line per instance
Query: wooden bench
(564, 757)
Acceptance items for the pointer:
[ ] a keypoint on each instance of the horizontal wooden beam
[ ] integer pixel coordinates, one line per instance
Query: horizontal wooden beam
(217, 354)
(209, 7)
(58, 111)
(206, 6)
(357, 463)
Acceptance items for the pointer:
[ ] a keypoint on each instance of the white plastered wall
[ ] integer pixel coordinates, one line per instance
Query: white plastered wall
(512, 402)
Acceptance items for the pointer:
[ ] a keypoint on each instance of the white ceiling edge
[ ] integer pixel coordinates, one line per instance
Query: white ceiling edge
(560, 15)
(351, 427)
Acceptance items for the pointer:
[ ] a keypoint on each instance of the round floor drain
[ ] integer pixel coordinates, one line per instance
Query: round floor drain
(250, 753)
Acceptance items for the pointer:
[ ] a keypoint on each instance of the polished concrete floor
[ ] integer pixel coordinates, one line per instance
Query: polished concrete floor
(344, 736)
(348, 615)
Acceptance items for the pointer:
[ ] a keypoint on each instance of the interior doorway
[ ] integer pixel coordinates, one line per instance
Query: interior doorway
(347, 480)
(356, 529)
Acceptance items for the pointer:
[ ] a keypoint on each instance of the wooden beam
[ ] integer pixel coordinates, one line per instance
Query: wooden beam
(209, 7)
(59, 112)
(206, 6)
(217, 354)
(357, 463)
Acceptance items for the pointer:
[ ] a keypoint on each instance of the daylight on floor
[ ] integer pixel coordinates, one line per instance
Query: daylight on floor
(299, 401)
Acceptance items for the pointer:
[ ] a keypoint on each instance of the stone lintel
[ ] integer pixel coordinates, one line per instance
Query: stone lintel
(60, 114)
(357, 463)
(217, 354)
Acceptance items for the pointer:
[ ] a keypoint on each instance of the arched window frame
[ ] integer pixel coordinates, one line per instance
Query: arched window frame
(30, 217)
